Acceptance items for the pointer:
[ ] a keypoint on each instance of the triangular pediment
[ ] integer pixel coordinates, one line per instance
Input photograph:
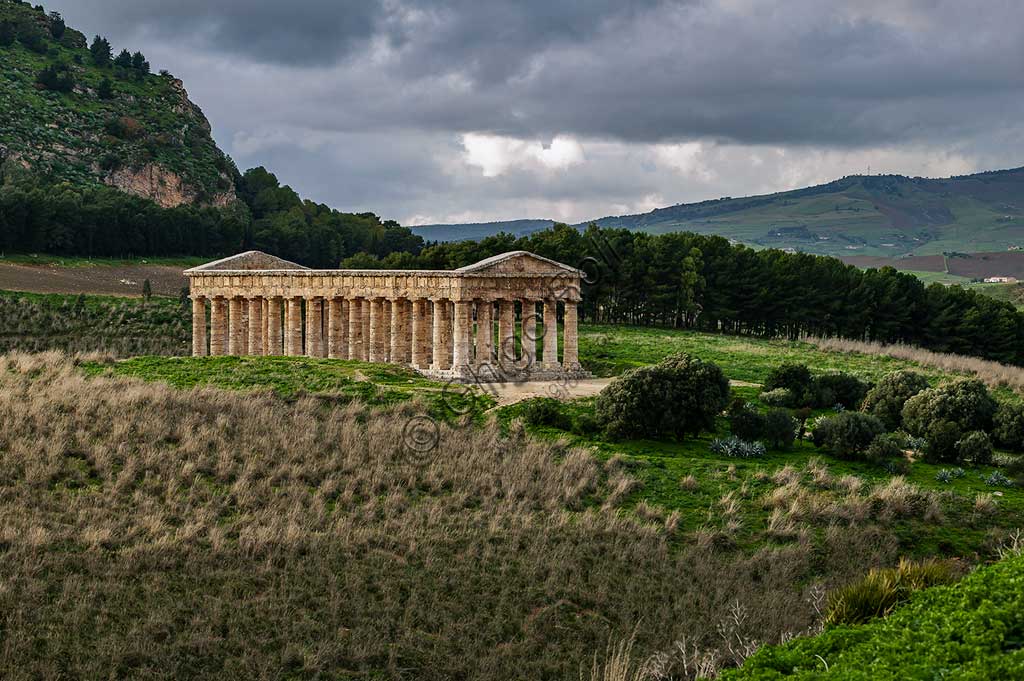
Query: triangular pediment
(517, 262)
(250, 260)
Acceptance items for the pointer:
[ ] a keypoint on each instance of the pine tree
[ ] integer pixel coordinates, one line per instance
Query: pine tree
(57, 25)
(7, 34)
(124, 59)
(101, 52)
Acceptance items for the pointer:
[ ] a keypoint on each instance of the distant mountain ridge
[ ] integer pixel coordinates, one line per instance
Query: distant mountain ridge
(871, 215)
(72, 114)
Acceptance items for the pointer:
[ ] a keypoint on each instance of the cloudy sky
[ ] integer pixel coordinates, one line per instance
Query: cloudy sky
(472, 110)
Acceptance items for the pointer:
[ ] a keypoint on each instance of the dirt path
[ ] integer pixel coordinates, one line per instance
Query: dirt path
(510, 393)
(100, 279)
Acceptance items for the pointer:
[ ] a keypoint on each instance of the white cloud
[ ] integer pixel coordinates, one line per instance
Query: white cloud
(495, 155)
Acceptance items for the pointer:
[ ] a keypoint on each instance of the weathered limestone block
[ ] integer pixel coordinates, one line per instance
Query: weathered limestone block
(255, 326)
(550, 359)
(199, 327)
(219, 327)
(274, 335)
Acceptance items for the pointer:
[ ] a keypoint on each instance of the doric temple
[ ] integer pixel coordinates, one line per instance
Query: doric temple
(487, 321)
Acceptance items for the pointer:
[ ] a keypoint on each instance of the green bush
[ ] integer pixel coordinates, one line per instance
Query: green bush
(886, 447)
(796, 378)
(680, 396)
(780, 428)
(974, 448)
(839, 388)
(848, 434)
(780, 397)
(1008, 426)
(877, 593)
(585, 425)
(971, 629)
(745, 422)
(887, 399)
(943, 415)
(546, 411)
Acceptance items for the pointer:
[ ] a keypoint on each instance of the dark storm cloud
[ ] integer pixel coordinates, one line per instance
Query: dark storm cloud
(851, 73)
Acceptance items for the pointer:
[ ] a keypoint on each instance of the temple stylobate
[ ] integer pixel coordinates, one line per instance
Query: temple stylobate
(487, 321)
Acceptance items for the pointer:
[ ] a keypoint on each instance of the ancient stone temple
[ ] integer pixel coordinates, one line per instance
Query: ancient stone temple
(495, 319)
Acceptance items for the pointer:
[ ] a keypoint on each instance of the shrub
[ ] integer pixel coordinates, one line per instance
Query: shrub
(1008, 426)
(746, 423)
(546, 411)
(880, 591)
(943, 415)
(975, 448)
(839, 388)
(585, 425)
(847, 434)
(795, 378)
(949, 475)
(885, 447)
(680, 396)
(997, 479)
(736, 448)
(887, 398)
(780, 428)
(780, 397)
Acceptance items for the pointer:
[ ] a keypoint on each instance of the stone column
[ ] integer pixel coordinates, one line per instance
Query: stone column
(550, 334)
(399, 331)
(355, 328)
(484, 332)
(422, 323)
(570, 343)
(442, 335)
(506, 333)
(274, 336)
(314, 327)
(293, 328)
(367, 338)
(377, 353)
(199, 326)
(387, 330)
(337, 329)
(236, 327)
(219, 326)
(256, 326)
(266, 326)
(529, 339)
(462, 328)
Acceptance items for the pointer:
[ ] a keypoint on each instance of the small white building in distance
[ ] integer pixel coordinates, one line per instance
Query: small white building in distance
(1000, 280)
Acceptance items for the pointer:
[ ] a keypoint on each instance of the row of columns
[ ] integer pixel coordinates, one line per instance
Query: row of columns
(436, 334)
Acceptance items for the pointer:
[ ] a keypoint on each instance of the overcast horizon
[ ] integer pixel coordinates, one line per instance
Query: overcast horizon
(442, 111)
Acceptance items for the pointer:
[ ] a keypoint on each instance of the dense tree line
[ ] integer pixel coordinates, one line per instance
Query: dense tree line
(704, 282)
(96, 221)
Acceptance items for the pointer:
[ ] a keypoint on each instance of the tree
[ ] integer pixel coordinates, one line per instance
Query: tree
(677, 397)
(1008, 426)
(794, 377)
(886, 399)
(123, 59)
(105, 89)
(943, 415)
(57, 25)
(102, 54)
(7, 34)
(139, 63)
(147, 290)
(848, 434)
(56, 78)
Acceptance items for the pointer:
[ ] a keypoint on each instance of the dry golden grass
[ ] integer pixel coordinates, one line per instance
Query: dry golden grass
(155, 533)
(991, 373)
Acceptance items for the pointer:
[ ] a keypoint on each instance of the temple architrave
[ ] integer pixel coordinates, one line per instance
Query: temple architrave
(459, 324)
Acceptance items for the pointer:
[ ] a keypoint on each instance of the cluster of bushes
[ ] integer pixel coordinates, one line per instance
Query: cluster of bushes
(793, 385)
(879, 592)
(776, 426)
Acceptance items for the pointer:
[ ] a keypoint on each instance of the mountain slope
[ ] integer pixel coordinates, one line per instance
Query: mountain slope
(68, 116)
(889, 215)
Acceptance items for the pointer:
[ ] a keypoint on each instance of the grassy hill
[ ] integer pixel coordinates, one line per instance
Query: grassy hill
(881, 215)
(89, 123)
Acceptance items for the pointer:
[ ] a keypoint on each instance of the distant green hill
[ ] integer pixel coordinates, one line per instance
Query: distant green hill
(69, 115)
(887, 215)
(478, 230)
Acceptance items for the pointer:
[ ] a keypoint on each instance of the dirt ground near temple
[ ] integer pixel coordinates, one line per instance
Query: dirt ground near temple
(100, 279)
